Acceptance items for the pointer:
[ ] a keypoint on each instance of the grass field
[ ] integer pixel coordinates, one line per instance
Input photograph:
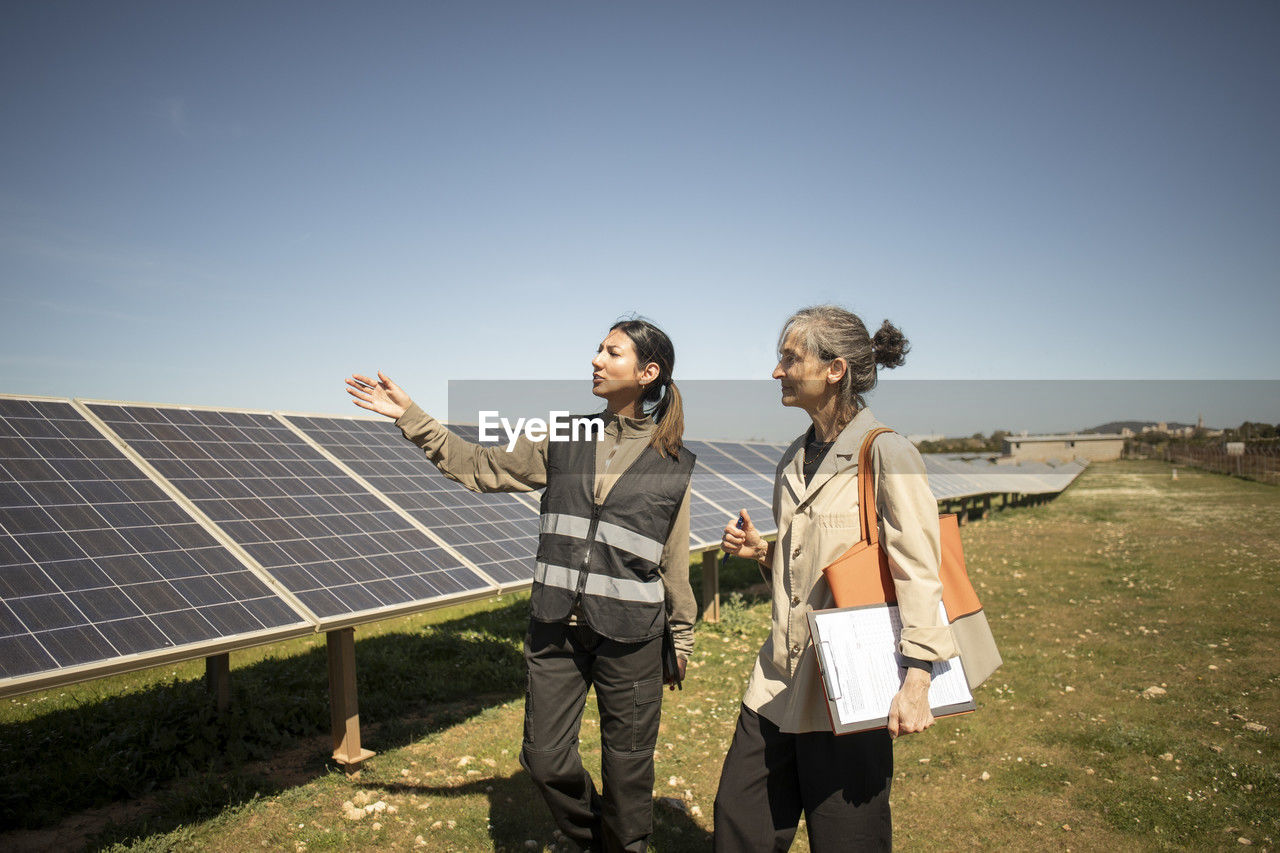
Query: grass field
(1129, 581)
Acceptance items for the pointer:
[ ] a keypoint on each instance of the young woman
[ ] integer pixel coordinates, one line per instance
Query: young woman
(612, 567)
(784, 758)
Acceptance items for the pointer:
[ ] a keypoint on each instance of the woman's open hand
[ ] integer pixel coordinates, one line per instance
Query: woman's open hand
(741, 539)
(909, 711)
(383, 396)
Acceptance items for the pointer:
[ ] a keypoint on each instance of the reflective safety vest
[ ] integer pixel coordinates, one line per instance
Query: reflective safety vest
(606, 556)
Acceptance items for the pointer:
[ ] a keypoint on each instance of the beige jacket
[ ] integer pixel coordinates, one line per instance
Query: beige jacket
(490, 468)
(818, 523)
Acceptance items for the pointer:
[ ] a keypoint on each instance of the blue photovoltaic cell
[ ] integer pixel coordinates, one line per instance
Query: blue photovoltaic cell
(722, 458)
(496, 531)
(761, 458)
(322, 535)
(706, 522)
(97, 562)
(730, 497)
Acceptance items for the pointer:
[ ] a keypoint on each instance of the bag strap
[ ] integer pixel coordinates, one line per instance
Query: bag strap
(867, 490)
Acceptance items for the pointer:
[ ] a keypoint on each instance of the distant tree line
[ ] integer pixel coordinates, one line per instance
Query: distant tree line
(976, 443)
(1250, 432)
(1255, 434)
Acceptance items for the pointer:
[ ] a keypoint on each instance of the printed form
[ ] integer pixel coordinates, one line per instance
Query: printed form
(862, 670)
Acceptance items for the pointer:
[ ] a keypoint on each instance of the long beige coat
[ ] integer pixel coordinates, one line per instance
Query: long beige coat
(818, 523)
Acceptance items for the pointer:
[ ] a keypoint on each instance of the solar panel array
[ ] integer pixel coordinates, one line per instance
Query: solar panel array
(720, 490)
(953, 477)
(133, 534)
(496, 532)
(329, 540)
(97, 563)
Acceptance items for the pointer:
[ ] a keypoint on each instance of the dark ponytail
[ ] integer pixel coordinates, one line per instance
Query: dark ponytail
(661, 397)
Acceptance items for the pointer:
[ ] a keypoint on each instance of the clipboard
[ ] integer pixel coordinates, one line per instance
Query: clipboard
(857, 651)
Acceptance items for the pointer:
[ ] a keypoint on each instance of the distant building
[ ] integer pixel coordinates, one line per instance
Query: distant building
(1101, 447)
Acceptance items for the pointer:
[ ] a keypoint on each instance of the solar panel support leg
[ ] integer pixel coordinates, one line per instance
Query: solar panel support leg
(217, 680)
(710, 586)
(344, 711)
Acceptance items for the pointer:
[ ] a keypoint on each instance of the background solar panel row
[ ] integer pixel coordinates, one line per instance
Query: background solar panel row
(721, 458)
(952, 477)
(706, 522)
(98, 563)
(496, 531)
(760, 459)
(323, 536)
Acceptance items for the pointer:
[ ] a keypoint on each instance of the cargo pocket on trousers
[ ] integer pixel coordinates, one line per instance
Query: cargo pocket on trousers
(648, 714)
(528, 708)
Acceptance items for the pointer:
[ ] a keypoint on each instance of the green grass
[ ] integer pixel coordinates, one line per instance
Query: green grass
(1129, 580)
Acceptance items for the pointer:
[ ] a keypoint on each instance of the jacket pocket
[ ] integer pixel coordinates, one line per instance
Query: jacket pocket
(837, 521)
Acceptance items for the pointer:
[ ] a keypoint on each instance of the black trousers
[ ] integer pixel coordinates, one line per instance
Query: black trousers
(563, 661)
(840, 783)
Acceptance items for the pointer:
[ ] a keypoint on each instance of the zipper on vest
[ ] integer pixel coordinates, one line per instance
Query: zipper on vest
(586, 560)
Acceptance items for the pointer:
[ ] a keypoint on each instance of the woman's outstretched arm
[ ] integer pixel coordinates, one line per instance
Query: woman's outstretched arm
(481, 468)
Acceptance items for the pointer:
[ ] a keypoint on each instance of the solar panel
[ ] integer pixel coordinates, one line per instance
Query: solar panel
(712, 487)
(98, 563)
(495, 531)
(719, 456)
(471, 433)
(761, 458)
(707, 521)
(326, 538)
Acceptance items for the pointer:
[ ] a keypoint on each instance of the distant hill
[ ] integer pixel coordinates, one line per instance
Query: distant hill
(1136, 426)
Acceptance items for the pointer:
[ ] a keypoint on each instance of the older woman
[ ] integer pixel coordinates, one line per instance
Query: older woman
(784, 759)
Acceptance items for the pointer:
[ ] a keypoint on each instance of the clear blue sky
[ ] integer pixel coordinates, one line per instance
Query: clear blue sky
(239, 203)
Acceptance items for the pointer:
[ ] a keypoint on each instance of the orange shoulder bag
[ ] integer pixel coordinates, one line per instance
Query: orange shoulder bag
(861, 576)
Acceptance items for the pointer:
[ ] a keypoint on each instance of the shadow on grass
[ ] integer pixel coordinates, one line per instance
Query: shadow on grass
(517, 814)
(158, 758)
(169, 744)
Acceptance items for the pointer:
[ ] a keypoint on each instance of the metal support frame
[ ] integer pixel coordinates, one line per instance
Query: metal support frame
(344, 712)
(711, 586)
(217, 680)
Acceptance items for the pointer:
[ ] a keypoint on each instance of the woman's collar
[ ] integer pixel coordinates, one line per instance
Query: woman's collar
(629, 427)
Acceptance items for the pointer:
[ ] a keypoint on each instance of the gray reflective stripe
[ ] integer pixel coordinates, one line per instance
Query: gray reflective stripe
(557, 576)
(625, 590)
(605, 587)
(609, 534)
(565, 525)
(629, 541)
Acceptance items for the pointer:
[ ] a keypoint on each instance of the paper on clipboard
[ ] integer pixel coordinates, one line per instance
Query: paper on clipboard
(862, 670)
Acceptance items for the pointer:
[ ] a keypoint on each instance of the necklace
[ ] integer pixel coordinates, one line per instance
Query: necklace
(813, 450)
